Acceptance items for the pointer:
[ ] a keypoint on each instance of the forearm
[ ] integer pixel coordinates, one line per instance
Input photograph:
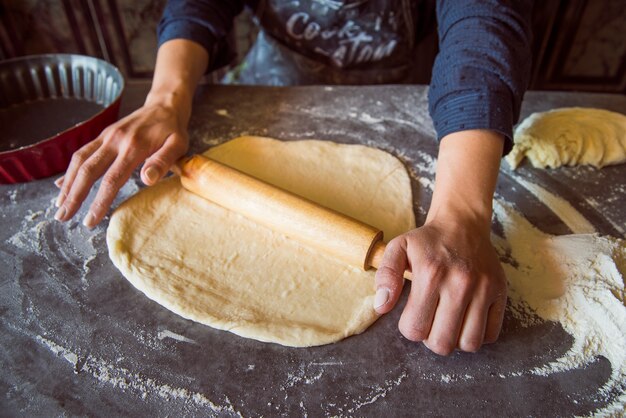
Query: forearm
(458, 290)
(467, 171)
(179, 67)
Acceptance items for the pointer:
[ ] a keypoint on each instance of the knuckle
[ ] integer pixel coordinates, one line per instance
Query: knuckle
(386, 274)
(133, 139)
(72, 201)
(160, 161)
(123, 137)
(110, 183)
(86, 170)
(464, 283)
(395, 242)
(413, 332)
(99, 207)
(78, 158)
(110, 137)
(470, 345)
(115, 132)
(432, 268)
(430, 277)
(439, 346)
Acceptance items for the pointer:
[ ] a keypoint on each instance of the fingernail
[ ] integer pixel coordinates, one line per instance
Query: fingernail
(58, 182)
(60, 199)
(152, 174)
(60, 213)
(382, 296)
(89, 220)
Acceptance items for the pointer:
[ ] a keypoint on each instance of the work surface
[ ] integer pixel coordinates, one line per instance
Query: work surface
(76, 337)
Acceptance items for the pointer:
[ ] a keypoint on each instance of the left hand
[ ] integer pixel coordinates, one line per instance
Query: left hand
(458, 294)
(458, 289)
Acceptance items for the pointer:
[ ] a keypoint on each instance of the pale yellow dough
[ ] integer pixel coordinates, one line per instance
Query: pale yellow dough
(217, 268)
(570, 136)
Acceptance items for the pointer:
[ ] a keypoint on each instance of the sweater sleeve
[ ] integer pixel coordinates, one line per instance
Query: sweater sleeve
(206, 22)
(483, 67)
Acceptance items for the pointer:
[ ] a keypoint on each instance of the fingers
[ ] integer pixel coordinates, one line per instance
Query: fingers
(447, 324)
(78, 181)
(474, 325)
(494, 319)
(458, 289)
(448, 308)
(389, 276)
(112, 182)
(118, 150)
(419, 312)
(77, 161)
(160, 162)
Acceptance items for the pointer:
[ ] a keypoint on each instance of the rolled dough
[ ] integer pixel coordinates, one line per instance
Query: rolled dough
(217, 268)
(570, 136)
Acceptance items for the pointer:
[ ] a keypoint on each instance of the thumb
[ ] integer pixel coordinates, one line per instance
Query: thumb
(159, 163)
(389, 277)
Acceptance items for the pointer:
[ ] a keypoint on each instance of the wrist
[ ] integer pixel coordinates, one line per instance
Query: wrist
(171, 95)
(177, 100)
(457, 215)
(467, 170)
(179, 67)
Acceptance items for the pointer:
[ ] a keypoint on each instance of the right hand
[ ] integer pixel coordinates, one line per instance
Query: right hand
(155, 133)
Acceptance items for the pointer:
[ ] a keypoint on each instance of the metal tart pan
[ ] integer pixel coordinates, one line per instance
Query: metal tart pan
(50, 106)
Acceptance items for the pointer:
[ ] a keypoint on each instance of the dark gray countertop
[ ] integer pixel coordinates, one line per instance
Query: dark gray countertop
(78, 339)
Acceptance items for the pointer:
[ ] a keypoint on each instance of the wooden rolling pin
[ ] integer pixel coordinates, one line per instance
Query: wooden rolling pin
(324, 229)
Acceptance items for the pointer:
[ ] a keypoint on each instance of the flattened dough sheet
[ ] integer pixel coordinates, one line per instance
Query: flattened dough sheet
(220, 269)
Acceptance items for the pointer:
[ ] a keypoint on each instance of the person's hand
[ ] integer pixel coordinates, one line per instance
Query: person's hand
(458, 289)
(155, 133)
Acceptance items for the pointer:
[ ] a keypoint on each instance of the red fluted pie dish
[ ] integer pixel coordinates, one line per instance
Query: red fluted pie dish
(50, 106)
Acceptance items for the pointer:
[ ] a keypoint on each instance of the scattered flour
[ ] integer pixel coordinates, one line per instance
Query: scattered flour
(621, 228)
(366, 118)
(33, 215)
(578, 281)
(303, 375)
(452, 378)
(128, 380)
(223, 112)
(376, 392)
(169, 334)
(561, 208)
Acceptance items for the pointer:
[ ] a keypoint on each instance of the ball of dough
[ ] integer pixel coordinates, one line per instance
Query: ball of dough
(570, 136)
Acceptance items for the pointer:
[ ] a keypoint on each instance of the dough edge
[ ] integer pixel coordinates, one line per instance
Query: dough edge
(299, 337)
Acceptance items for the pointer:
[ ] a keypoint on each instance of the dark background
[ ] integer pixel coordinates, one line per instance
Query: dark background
(579, 45)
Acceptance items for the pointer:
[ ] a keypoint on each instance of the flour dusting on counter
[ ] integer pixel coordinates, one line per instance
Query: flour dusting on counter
(561, 208)
(376, 392)
(125, 379)
(578, 281)
(166, 333)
